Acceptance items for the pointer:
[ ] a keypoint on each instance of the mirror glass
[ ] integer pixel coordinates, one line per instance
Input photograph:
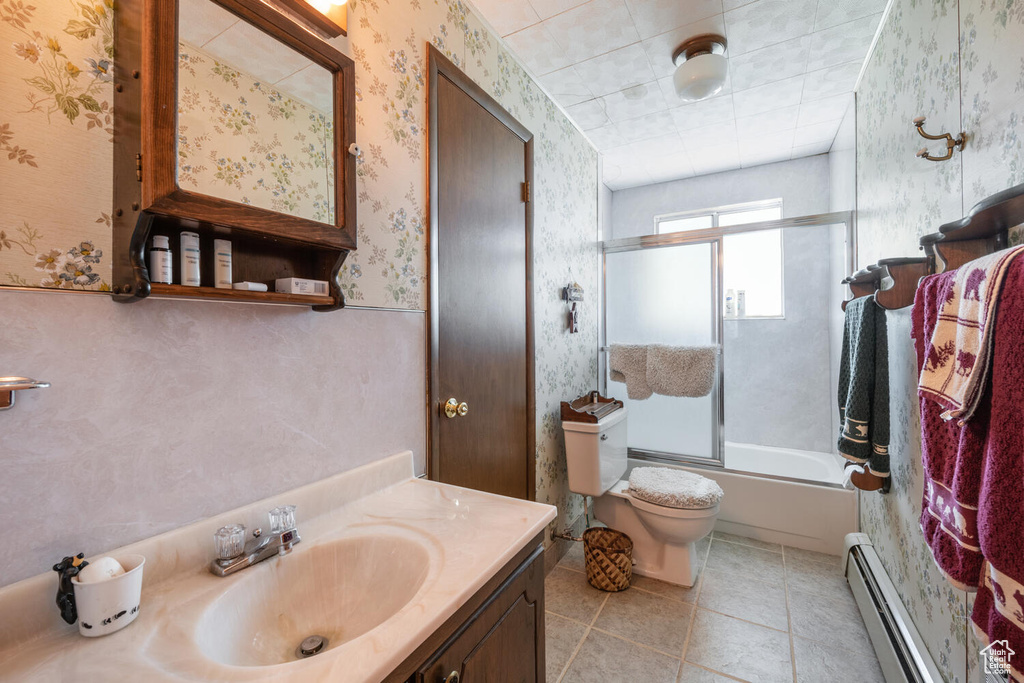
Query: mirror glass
(255, 117)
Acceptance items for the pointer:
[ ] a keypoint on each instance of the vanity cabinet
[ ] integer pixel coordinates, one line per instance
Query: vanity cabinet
(496, 637)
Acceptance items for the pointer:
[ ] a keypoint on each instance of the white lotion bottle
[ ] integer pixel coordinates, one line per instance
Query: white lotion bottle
(741, 303)
(160, 260)
(222, 266)
(190, 259)
(730, 303)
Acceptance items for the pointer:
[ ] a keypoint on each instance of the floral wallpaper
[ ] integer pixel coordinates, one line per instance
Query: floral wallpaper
(55, 132)
(242, 140)
(960, 65)
(45, 239)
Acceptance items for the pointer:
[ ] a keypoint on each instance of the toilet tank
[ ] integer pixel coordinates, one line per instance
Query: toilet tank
(596, 453)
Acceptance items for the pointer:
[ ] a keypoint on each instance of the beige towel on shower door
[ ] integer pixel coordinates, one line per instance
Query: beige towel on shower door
(628, 363)
(681, 370)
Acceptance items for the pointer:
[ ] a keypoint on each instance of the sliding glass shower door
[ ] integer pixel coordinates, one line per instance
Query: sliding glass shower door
(665, 291)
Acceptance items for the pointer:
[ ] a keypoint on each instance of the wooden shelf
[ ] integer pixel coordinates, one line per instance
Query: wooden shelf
(215, 294)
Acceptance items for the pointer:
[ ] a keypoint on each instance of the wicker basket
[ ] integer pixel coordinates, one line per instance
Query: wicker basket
(609, 556)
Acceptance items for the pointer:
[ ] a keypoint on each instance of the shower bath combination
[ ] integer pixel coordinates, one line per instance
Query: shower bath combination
(768, 425)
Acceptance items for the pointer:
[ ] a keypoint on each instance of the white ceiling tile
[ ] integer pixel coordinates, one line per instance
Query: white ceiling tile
(616, 70)
(668, 89)
(715, 159)
(844, 43)
(767, 123)
(634, 102)
(592, 29)
(655, 147)
(716, 135)
(819, 132)
(767, 22)
(705, 113)
(832, 81)
(644, 127)
(834, 12)
(606, 137)
(776, 144)
(774, 157)
(549, 8)
(766, 150)
(538, 49)
(657, 16)
(768, 97)
(661, 47)
(733, 4)
(770, 64)
(566, 86)
(313, 85)
(828, 109)
(810, 150)
(259, 54)
(669, 167)
(507, 17)
(588, 114)
(202, 21)
(622, 169)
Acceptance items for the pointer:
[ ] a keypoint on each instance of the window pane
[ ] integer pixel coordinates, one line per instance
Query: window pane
(683, 224)
(753, 265)
(773, 213)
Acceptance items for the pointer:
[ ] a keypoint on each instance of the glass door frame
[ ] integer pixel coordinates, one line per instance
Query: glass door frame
(715, 237)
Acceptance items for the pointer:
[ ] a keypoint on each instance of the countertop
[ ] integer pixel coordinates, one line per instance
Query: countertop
(467, 537)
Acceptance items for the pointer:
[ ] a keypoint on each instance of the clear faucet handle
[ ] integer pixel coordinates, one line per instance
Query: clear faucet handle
(230, 541)
(282, 519)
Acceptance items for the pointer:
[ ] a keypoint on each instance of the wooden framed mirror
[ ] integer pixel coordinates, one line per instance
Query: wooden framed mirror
(234, 121)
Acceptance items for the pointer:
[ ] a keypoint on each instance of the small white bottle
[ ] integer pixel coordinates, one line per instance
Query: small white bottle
(190, 259)
(222, 266)
(730, 303)
(741, 303)
(160, 260)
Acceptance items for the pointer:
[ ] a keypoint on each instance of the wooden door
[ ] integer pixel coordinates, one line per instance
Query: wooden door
(481, 328)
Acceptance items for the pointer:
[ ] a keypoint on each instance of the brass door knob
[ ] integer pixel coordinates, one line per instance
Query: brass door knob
(453, 677)
(453, 408)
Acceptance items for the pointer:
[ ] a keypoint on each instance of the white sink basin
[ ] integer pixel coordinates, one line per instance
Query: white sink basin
(338, 590)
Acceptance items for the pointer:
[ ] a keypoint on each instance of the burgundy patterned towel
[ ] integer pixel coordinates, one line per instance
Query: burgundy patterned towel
(951, 454)
(999, 607)
(961, 343)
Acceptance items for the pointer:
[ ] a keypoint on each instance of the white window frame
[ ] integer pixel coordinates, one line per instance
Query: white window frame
(715, 212)
(715, 230)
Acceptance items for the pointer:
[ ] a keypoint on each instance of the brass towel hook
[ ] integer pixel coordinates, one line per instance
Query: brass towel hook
(951, 143)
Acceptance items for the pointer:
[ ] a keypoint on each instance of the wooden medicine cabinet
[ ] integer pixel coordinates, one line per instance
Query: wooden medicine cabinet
(233, 121)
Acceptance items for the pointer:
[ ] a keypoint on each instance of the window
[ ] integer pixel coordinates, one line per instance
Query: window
(752, 260)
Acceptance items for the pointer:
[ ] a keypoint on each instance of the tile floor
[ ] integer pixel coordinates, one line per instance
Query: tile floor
(759, 612)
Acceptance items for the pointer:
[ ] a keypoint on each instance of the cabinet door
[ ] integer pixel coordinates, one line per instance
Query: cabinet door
(503, 642)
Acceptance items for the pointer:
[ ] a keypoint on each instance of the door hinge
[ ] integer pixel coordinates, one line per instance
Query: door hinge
(138, 167)
(526, 191)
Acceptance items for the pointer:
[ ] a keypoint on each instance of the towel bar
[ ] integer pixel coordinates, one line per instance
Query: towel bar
(9, 385)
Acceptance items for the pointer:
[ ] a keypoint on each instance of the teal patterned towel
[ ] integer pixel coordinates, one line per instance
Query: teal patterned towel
(864, 387)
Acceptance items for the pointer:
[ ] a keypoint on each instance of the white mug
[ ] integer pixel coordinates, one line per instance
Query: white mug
(110, 605)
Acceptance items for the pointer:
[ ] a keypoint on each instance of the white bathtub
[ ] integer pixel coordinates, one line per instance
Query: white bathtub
(777, 510)
(783, 462)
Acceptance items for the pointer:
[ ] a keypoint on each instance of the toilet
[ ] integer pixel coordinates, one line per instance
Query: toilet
(663, 536)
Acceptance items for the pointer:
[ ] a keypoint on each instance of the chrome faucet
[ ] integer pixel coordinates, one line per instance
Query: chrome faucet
(235, 554)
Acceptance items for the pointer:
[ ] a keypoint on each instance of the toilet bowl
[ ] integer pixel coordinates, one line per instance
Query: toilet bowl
(664, 537)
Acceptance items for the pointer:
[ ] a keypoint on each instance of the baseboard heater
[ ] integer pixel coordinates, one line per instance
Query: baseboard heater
(901, 651)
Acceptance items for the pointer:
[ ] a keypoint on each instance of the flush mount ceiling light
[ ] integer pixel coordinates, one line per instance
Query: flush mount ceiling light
(701, 67)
